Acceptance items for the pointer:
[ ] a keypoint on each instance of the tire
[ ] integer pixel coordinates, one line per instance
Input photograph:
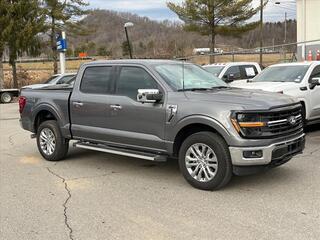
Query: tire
(52, 131)
(219, 159)
(6, 97)
(304, 115)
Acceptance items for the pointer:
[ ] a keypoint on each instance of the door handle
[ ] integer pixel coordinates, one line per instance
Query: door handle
(77, 104)
(116, 107)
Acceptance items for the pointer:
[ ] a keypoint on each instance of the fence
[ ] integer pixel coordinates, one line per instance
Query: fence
(271, 54)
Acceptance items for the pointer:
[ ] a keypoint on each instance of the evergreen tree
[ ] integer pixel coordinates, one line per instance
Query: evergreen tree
(24, 22)
(102, 51)
(216, 17)
(62, 15)
(4, 19)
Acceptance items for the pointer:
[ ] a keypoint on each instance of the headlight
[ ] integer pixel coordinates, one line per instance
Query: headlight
(248, 124)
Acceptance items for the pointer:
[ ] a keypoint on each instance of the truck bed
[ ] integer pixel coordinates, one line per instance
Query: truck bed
(40, 100)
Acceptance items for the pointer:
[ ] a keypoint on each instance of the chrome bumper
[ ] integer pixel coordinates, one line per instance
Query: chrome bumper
(268, 152)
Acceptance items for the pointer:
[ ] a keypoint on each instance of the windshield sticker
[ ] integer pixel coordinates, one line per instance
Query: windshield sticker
(298, 79)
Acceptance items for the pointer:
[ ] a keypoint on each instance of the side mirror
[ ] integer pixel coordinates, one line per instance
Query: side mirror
(314, 82)
(149, 95)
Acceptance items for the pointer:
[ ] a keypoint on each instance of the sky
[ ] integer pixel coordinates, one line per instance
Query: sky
(157, 9)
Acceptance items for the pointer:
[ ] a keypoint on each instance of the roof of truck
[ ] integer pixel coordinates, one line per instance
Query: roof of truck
(133, 61)
(230, 64)
(306, 63)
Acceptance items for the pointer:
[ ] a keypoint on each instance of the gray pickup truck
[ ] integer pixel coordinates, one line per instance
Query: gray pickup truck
(160, 109)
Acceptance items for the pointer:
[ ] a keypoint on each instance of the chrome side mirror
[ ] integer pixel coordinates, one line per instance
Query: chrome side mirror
(149, 95)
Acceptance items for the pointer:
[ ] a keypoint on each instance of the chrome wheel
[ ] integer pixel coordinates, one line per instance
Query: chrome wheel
(201, 162)
(47, 141)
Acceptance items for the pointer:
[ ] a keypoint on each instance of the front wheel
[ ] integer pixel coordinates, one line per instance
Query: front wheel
(205, 162)
(51, 144)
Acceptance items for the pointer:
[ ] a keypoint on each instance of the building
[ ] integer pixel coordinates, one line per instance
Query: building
(308, 27)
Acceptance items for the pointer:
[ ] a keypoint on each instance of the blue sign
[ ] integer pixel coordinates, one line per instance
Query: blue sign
(61, 44)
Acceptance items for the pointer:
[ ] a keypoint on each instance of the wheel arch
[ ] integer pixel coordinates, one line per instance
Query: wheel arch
(44, 113)
(195, 124)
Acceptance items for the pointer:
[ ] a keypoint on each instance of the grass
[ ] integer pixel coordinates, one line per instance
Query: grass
(71, 65)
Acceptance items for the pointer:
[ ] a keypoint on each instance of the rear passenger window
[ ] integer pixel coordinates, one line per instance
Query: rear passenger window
(97, 80)
(133, 78)
(250, 71)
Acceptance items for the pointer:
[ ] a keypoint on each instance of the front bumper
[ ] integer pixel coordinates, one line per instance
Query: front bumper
(277, 152)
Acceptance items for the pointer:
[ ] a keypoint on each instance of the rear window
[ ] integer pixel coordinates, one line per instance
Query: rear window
(97, 80)
(250, 71)
(65, 79)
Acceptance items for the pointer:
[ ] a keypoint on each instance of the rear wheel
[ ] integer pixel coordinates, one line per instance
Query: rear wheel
(205, 162)
(6, 97)
(51, 144)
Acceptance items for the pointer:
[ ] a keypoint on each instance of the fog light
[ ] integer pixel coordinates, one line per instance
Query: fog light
(253, 154)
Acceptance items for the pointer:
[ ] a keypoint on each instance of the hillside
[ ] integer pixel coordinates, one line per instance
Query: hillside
(161, 39)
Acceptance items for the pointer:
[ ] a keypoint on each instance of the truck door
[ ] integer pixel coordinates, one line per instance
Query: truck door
(315, 95)
(89, 103)
(134, 123)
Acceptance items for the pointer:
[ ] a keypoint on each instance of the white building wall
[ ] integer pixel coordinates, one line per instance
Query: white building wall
(308, 26)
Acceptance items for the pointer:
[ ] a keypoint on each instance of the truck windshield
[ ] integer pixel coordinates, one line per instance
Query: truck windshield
(188, 76)
(215, 70)
(294, 73)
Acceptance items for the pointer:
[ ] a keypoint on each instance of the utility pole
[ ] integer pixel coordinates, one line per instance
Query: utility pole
(285, 36)
(285, 27)
(261, 31)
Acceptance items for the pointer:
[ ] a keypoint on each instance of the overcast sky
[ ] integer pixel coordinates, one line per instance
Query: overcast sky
(157, 9)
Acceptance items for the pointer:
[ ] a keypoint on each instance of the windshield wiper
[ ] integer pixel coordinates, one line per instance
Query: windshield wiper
(194, 89)
(220, 87)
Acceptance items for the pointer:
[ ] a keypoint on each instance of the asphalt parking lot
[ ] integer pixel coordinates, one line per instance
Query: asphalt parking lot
(94, 195)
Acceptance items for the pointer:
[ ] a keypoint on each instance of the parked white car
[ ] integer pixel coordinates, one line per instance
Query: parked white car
(300, 80)
(234, 71)
(53, 80)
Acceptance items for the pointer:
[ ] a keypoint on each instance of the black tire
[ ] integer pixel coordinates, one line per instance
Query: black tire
(61, 144)
(220, 148)
(6, 97)
(304, 115)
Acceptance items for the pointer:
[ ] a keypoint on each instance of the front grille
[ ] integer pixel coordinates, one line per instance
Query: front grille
(277, 122)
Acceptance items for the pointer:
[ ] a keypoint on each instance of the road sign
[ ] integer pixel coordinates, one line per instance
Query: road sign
(62, 43)
(62, 48)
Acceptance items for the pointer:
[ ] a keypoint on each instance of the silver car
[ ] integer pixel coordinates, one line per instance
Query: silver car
(53, 80)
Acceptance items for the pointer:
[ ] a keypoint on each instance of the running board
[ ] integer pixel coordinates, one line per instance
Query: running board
(121, 151)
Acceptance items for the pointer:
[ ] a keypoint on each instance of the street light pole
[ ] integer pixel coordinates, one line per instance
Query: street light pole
(126, 25)
(261, 31)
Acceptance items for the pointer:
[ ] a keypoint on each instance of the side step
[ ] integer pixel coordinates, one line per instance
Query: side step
(121, 151)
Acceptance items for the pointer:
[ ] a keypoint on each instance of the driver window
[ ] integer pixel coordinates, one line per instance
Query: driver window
(133, 78)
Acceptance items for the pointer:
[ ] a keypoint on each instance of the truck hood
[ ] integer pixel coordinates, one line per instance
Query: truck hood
(266, 86)
(244, 98)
